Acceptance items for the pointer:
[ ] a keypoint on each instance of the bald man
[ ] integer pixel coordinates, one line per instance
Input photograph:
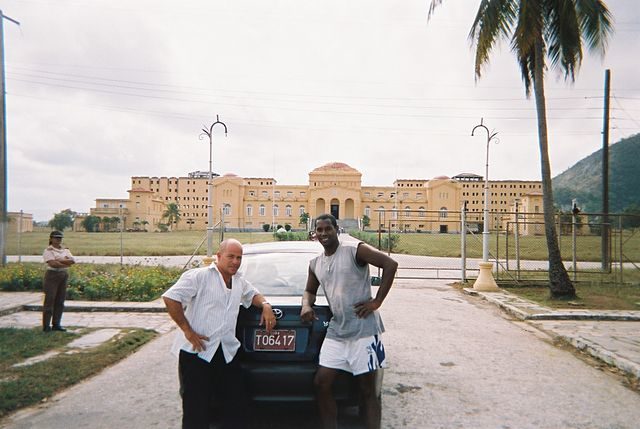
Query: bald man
(206, 344)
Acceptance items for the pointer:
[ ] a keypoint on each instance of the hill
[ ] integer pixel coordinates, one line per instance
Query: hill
(584, 180)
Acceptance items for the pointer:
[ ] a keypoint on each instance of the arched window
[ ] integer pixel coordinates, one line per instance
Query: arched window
(421, 211)
(367, 211)
(302, 211)
(276, 210)
(287, 210)
(226, 209)
(443, 212)
(249, 210)
(261, 210)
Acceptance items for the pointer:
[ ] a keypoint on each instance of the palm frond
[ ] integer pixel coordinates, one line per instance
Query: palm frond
(562, 36)
(494, 19)
(596, 23)
(432, 7)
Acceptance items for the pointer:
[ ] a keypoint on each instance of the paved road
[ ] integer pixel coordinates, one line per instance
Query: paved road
(455, 362)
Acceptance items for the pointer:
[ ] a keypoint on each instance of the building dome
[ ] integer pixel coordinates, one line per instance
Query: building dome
(441, 178)
(335, 166)
(229, 175)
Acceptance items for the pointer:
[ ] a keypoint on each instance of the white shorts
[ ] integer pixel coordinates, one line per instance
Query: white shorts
(355, 356)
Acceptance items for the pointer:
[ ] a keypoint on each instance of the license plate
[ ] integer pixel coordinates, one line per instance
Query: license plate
(280, 340)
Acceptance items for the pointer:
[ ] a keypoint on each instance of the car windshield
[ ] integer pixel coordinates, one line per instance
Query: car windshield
(278, 273)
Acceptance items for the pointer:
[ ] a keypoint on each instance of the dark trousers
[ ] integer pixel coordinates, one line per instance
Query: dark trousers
(55, 291)
(217, 382)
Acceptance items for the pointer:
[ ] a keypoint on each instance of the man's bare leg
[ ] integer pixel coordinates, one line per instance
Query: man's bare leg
(372, 407)
(327, 408)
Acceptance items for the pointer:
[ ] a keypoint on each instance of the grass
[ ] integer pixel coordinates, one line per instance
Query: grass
(24, 386)
(185, 243)
(590, 296)
(133, 243)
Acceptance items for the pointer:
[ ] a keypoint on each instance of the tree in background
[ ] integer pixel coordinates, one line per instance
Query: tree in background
(144, 224)
(62, 220)
(541, 31)
(304, 220)
(365, 221)
(91, 223)
(172, 214)
(631, 217)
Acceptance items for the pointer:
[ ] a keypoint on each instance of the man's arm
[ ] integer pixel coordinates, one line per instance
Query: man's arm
(177, 314)
(309, 298)
(267, 317)
(368, 255)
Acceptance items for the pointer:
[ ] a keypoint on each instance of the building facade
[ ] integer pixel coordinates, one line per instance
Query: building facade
(248, 203)
(20, 222)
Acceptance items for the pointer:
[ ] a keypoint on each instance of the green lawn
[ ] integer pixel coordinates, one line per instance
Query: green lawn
(28, 385)
(133, 243)
(590, 296)
(185, 243)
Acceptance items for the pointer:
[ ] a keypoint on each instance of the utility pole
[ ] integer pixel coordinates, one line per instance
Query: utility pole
(605, 175)
(3, 148)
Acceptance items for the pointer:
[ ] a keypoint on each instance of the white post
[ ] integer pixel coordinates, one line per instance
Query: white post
(485, 280)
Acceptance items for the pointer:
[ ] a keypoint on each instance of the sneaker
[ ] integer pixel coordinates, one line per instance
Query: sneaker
(59, 328)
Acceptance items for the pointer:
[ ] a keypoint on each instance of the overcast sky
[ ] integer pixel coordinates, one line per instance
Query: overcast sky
(99, 91)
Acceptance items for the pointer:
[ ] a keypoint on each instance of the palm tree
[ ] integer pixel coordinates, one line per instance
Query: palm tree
(540, 31)
(172, 214)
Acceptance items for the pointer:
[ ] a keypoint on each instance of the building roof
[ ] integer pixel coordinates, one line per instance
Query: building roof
(140, 190)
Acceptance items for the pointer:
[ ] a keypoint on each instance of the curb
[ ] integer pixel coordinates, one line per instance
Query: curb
(99, 308)
(625, 365)
(538, 312)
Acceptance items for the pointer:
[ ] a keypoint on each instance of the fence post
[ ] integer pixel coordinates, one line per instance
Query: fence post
(463, 241)
(574, 220)
(621, 258)
(517, 240)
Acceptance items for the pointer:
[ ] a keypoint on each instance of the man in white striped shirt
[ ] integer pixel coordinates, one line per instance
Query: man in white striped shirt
(207, 344)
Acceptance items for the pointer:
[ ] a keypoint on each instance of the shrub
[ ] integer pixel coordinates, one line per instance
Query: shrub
(387, 241)
(94, 282)
(266, 227)
(292, 236)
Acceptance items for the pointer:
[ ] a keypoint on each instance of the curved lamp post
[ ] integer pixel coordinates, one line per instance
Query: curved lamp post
(485, 280)
(209, 133)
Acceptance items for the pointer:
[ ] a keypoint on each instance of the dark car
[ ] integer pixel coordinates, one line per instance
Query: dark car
(280, 367)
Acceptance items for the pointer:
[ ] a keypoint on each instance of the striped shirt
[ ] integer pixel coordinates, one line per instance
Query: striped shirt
(211, 309)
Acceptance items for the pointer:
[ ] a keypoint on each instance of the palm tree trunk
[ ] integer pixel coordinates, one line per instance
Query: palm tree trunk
(560, 285)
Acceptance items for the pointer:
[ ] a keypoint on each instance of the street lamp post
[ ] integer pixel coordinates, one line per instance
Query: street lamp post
(209, 133)
(485, 279)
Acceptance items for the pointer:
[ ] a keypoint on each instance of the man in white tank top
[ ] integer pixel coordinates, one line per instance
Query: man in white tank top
(353, 341)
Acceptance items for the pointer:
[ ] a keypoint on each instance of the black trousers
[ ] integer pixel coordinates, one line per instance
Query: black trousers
(55, 292)
(217, 382)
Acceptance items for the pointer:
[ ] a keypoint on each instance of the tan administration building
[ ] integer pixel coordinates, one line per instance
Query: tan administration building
(247, 203)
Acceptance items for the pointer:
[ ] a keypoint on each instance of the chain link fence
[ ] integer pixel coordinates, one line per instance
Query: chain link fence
(430, 244)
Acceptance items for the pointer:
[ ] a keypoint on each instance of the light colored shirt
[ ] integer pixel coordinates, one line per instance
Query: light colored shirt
(345, 284)
(52, 253)
(211, 309)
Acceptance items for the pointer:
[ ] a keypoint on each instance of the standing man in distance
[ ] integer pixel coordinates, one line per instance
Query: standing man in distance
(353, 341)
(207, 343)
(56, 278)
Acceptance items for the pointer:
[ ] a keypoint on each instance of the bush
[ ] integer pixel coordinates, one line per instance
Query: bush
(266, 227)
(92, 282)
(387, 241)
(292, 236)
